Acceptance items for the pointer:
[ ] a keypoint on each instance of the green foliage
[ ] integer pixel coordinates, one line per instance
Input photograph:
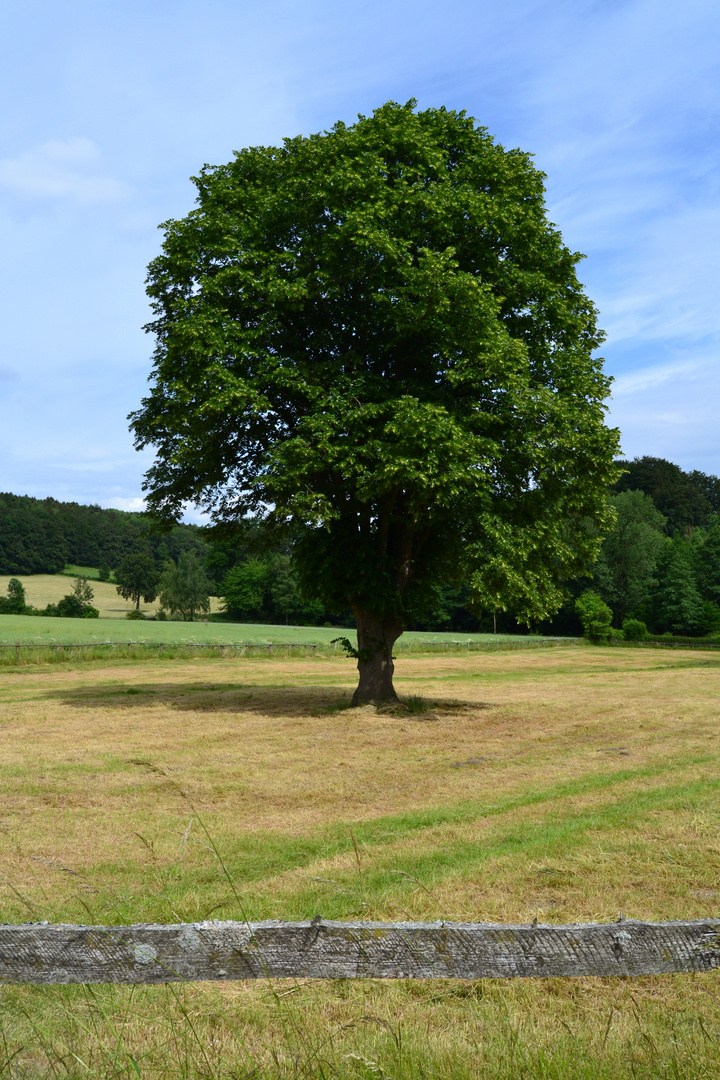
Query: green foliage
(136, 614)
(623, 574)
(14, 603)
(73, 570)
(595, 616)
(267, 589)
(104, 572)
(710, 618)
(137, 577)
(677, 602)
(683, 498)
(286, 597)
(347, 647)
(184, 588)
(634, 630)
(708, 564)
(77, 604)
(244, 586)
(41, 536)
(377, 333)
(31, 539)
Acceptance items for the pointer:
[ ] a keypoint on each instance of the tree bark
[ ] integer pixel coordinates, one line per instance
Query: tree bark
(376, 636)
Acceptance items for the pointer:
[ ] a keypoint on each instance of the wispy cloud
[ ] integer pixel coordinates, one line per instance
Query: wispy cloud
(61, 170)
(645, 378)
(126, 504)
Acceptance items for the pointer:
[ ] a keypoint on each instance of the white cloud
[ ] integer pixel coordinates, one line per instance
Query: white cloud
(190, 513)
(670, 411)
(61, 170)
(637, 381)
(126, 504)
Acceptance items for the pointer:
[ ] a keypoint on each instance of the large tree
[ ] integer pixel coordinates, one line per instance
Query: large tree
(137, 578)
(375, 334)
(184, 588)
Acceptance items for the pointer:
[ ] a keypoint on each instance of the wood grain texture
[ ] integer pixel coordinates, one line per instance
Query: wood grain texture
(44, 954)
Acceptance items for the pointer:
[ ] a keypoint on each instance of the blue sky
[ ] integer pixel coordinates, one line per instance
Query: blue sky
(111, 106)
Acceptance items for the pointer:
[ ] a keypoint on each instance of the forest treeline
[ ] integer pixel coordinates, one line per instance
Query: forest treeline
(660, 564)
(41, 536)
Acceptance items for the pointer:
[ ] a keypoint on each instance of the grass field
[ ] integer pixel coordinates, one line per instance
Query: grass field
(92, 573)
(566, 784)
(30, 629)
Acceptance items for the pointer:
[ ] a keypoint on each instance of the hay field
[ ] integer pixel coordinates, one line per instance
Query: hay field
(566, 784)
(44, 589)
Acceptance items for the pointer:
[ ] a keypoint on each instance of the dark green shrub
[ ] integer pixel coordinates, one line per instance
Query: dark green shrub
(634, 630)
(595, 616)
(134, 614)
(76, 605)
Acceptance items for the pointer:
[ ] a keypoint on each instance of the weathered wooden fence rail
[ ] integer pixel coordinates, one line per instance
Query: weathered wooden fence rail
(160, 646)
(50, 954)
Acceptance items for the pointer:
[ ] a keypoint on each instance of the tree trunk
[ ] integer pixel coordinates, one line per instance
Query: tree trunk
(376, 637)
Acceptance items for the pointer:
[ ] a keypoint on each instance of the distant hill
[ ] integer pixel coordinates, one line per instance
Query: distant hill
(39, 536)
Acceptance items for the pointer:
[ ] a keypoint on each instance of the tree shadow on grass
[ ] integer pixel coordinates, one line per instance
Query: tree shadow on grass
(217, 697)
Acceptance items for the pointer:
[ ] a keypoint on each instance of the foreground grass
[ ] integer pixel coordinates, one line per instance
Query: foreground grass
(566, 785)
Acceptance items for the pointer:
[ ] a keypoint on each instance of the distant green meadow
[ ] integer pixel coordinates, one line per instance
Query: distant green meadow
(28, 629)
(90, 572)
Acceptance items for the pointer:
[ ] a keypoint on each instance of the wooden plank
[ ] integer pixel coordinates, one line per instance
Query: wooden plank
(46, 954)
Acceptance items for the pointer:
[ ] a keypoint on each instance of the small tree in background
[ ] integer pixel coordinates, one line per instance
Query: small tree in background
(244, 586)
(137, 577)
(286, 597)
(185, 588)
(677, 601)
(708, 565)
(267, 589)
(77, 604)
(595, 616)
(14, 603)
(624, 572)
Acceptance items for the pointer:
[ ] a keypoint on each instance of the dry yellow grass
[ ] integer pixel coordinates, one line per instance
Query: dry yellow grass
(44, 589)
(268, 747)
(568, 784)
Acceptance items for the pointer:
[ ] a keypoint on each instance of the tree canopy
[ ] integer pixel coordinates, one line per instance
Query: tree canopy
(684, 498)
(14, 603)
(137, 578)
(630, 553)
(375, 334)
(184, 588)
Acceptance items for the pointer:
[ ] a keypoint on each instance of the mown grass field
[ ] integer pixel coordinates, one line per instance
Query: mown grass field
(566, 784)
(44, 589)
